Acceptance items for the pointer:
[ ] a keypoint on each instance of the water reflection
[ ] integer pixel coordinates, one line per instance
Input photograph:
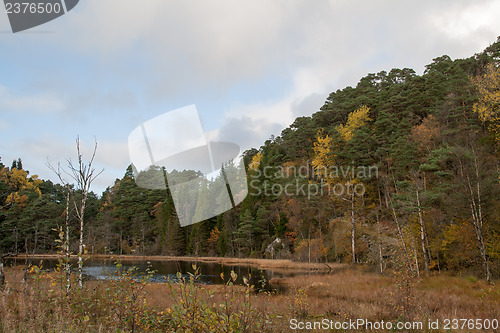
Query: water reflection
(210, 273)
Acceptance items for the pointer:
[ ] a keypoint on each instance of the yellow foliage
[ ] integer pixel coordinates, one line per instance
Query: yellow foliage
(21, 200)
(18, 181)
(459, 244)
(314, 247)
(493, 245)
(256, 159)
(323, 158)
(355, 120)
(488, 107)
(18, 178)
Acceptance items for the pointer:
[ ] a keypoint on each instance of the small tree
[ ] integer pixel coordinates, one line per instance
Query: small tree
(65, 245)
(469, 171)
(84, 174)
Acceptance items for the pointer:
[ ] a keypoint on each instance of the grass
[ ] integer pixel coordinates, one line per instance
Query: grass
(138, 306)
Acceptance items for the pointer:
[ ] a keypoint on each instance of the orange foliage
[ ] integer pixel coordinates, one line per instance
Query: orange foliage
(427, 133)
(214, 238)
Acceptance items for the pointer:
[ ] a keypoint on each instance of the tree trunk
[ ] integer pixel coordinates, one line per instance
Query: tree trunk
(401, 238)
(422, 235)
(143, 239)
(476, 212)
(27, 265)
(80, 246)
(478, 226)
(353, 230)
(67, 266)
(2, 276)
(415, 254)
(84, 174)
(400, 231)
(15, 244)
(380, 257)
(309, 243)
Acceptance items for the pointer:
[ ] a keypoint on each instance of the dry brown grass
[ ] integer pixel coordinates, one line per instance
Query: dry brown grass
(353, 294)
(348, 294)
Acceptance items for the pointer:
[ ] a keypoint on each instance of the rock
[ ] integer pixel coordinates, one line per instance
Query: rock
(278, 249)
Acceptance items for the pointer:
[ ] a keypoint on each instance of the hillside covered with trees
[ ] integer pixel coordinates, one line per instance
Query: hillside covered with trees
(400, 166)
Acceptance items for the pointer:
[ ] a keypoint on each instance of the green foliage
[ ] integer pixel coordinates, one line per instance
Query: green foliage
(418, 131)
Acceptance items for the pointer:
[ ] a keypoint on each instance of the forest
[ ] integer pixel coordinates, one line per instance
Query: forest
(401, 165)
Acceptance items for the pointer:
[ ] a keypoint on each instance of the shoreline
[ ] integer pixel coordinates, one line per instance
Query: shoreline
(268, 264)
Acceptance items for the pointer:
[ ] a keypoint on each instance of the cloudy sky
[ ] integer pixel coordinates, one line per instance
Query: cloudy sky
(250, 66)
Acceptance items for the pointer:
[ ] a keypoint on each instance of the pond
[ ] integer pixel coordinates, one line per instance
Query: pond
(164, 270)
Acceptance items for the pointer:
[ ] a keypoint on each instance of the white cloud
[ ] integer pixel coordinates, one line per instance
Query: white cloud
(245, 132)
(195, 47)
(337, 45)
(474, 22)
(141, 54)
(110, 156)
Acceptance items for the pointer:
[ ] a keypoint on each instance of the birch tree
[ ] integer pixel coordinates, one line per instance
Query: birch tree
(469, 171)
(84, 174)
(65, 245)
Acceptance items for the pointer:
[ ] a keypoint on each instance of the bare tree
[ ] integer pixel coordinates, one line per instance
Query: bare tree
(423, 234)
(352, 199)
(84, 174)
(470, 173)
(67, 189)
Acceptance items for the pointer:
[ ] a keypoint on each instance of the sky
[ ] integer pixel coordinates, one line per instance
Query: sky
(250, 67)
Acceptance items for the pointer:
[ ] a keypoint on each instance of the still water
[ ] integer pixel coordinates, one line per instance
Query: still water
(163, 271)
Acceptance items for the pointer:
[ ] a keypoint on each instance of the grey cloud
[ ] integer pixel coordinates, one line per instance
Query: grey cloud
(196, 47)
(179, 50)
(247, 132)
(308, 105)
